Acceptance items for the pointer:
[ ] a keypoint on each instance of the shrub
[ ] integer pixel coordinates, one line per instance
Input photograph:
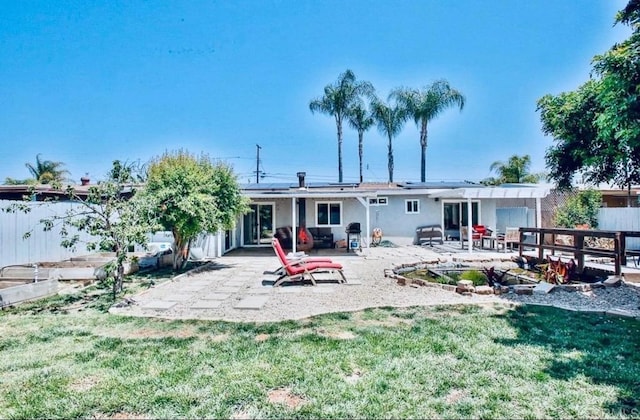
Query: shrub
(581, 209)
(478, 278)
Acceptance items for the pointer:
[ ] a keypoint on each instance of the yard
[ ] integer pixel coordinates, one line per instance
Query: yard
(66, 357)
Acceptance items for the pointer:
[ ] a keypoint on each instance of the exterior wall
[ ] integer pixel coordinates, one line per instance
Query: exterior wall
(626, 218)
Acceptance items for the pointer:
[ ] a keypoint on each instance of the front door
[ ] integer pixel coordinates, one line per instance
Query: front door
(258, 224)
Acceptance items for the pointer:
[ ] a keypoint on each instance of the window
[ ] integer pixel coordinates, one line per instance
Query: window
(412, 206)
(329, 214)
(380, 201)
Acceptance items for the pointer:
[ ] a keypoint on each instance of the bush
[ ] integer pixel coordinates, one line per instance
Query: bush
(581, 209)
(478, 278)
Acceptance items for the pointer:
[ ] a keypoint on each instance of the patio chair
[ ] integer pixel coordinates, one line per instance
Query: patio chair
(277, 247)
(476, 237)
(304, 268)
(510, 237)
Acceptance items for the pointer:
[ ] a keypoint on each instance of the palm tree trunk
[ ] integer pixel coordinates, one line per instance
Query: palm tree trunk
(390, 156)
(339, 127)
(360, 137)
(423, 152)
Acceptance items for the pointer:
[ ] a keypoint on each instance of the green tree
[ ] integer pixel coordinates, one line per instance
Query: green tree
(13, 181)
(361, 120)
(338, 98)
(580, 209)
(47, 171)
(192, 196)
(597, 127)
(390, 119)
(425, 105)
(514, 171)
(114, 216)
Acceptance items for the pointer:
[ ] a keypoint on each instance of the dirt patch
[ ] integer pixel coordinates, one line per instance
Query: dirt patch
(285, 397)
(338, 335)
(120, 416)
(354, 377)
(84, 384)
(262, 337)
(454, 396)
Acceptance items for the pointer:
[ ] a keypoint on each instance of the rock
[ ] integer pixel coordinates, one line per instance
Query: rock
(484, 290)
(543, 288)
(612, 281)
(521, 289)
(465, 283)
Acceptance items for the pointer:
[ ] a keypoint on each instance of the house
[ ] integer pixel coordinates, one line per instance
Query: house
(396, 208)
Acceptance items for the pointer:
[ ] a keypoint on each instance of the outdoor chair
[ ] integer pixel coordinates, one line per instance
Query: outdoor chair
(476, 237)
(277, 247)
(510, 237)
(304, 268)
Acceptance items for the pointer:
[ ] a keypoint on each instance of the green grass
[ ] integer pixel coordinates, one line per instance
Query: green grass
(438, 362)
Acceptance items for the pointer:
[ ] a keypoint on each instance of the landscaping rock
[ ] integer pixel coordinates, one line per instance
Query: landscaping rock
(543, 288)
(520, 289)
(612, 281)
(484, 290)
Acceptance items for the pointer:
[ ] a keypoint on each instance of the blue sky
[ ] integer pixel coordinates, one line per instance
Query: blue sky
(88, 82)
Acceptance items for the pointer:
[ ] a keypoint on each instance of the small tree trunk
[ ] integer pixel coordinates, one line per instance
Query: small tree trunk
(339, 126)
(423, 150)
(360, 137)
(390, 156)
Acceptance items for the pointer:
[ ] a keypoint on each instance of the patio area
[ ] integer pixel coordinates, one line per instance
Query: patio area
(236, 287)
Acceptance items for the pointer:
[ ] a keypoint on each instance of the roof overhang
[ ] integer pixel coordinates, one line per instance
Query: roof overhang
(307, 193)
(492, 192)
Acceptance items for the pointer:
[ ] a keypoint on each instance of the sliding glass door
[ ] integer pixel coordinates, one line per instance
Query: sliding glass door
(456, 214)
(257, 225)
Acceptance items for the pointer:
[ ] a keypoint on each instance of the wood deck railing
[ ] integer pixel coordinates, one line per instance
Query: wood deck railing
(579, 249)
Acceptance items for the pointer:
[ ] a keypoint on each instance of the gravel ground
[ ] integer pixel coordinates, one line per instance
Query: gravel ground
(214, 292)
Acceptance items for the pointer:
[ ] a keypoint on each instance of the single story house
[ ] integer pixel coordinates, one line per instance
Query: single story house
(395, 208)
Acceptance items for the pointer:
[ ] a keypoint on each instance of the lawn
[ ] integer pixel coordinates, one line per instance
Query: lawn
(66, 357)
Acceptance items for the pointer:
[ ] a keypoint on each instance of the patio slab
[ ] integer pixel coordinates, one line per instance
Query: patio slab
(252, 302)
(159, 305)
(206, 304)
(216, 296)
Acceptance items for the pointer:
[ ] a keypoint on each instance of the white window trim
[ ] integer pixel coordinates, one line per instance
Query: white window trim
(376, 201)
(328, 203)
(412, 200)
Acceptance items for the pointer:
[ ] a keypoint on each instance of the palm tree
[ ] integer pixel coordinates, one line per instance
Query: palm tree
(47, 171)
(390, 120)
(425, 105)
(515, 171)
(337, 100)
(361, 120)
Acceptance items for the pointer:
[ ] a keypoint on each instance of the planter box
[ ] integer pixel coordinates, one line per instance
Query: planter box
(29, 291)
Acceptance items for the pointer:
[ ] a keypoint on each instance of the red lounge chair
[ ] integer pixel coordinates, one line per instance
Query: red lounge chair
(275, 243)
(305, 268)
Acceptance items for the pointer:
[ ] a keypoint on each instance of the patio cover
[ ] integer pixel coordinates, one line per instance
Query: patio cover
(471, 193)
(493, 192)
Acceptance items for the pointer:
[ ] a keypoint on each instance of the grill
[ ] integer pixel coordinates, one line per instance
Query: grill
(353, 228)
(353, 236)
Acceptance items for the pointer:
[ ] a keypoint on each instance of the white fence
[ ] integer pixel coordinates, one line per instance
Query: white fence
(40, 246)
(621, 218)
(45, 246)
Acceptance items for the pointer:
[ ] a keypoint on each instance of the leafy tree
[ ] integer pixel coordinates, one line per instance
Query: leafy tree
(47, 171)
(361, 120)
(192, 195)
(13, 181)
(514, 171)
(425, 105)
(580, 209)
(390, 120)
(338, 98)
(597, 127)
(112, 213)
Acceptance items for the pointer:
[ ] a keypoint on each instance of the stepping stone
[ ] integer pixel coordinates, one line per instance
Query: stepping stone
(206, 304)
(216, 296)
(259, 290)
(252, 302)
(177, 297)
(354, 282)
(191, 287)
(543, 288)
(160, 305)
